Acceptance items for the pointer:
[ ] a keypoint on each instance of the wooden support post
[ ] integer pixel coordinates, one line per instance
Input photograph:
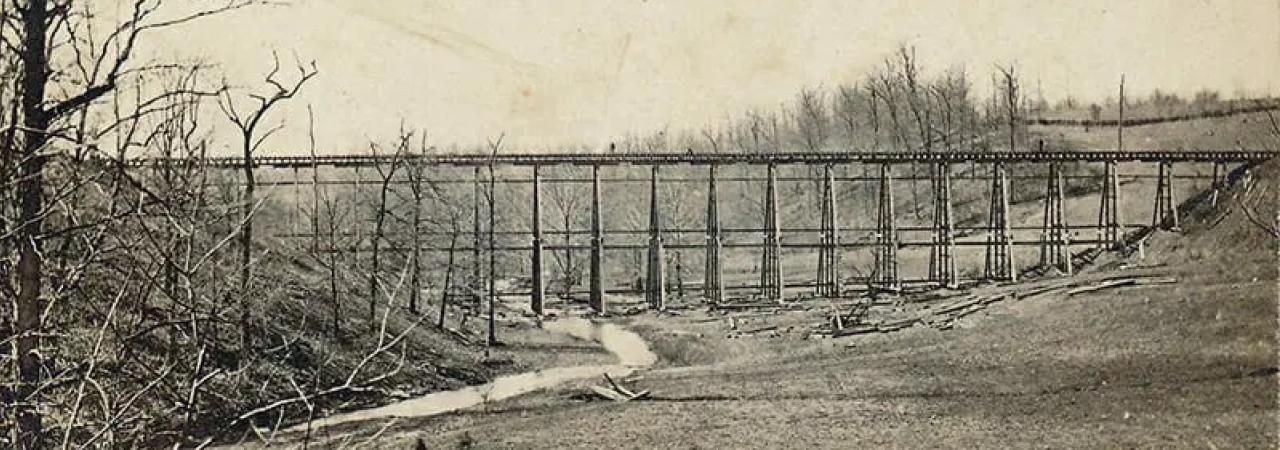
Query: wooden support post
(476, 281)
(493, 263)
(1046, 227)
(822, 285)
(596, 299)
(1165, 215)
(1054, 234)
(942, 263)
(834, 238)
(295, 218)
(1000, 263)
(1219, 182)
(935, 237)
(1110, 229)
(357, 194)
(712, 285)
(655, 280)
(538, 291)
(829, 251)
(886, 270)
(1063, 236)
(770, 273)
(315, 204)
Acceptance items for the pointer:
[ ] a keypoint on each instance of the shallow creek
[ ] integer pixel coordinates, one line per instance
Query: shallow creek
(631, 350)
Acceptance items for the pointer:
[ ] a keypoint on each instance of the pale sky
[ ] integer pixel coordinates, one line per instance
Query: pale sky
(548, 72)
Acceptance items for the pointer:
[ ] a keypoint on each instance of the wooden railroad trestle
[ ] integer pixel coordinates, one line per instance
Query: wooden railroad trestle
(831, 279)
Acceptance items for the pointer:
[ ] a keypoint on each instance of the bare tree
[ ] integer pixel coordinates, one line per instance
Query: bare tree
(567, 198)
(812, 117)
(1012, 99)
(44, 35)
(455, 230)
(335, 215)
(403, 143)
(952, 94)
(844, 106)
(247, 120)
(714, 139)
(494, 145)
(917, 101)
(419, 187)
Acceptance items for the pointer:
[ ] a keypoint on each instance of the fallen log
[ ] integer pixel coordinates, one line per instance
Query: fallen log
(1100, 286)
(860, 329)
(609, 394)
(994, 298)
(900, 323)
(618, 387)
(761, 329)
(1121, 282)
(619, 393)
(960, 305)
(1153, 281)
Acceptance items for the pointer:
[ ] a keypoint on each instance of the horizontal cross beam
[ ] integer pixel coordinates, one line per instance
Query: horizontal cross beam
(681, 246)
(648, 159)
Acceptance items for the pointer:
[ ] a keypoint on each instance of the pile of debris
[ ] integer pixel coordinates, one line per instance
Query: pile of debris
(945, 316)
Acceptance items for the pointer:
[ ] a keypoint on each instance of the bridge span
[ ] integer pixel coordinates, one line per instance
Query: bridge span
(1057, 240)
(692, 158)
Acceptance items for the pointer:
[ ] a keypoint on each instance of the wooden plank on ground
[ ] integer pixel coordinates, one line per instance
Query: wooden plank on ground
(618, 387)
(609, 394)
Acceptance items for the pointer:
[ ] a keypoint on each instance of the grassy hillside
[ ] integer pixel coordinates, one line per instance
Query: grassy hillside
(1252, 131)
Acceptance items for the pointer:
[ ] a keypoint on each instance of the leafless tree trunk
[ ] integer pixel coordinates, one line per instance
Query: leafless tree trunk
(845, 107)
(566, 198)
(1012, 98)
(48, 35)
(448, 274)
(333, 217)
(315, 180)
(247, 122)
(494, 147)
(417, 189)
(380, 220)
(811, 121)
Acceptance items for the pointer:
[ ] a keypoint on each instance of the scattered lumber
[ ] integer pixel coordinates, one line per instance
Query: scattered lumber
(1119, 282)
(617, 392)
(759, 330)
(898, 324)
(860, 329)
(747, 306)
(1100, 286)
(882, 327)
(963, 303)
(952, 306)
(1156, 280)
(609, 394)
(855, 314)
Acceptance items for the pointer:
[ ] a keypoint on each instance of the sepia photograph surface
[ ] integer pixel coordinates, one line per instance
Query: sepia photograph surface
(440, 224)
